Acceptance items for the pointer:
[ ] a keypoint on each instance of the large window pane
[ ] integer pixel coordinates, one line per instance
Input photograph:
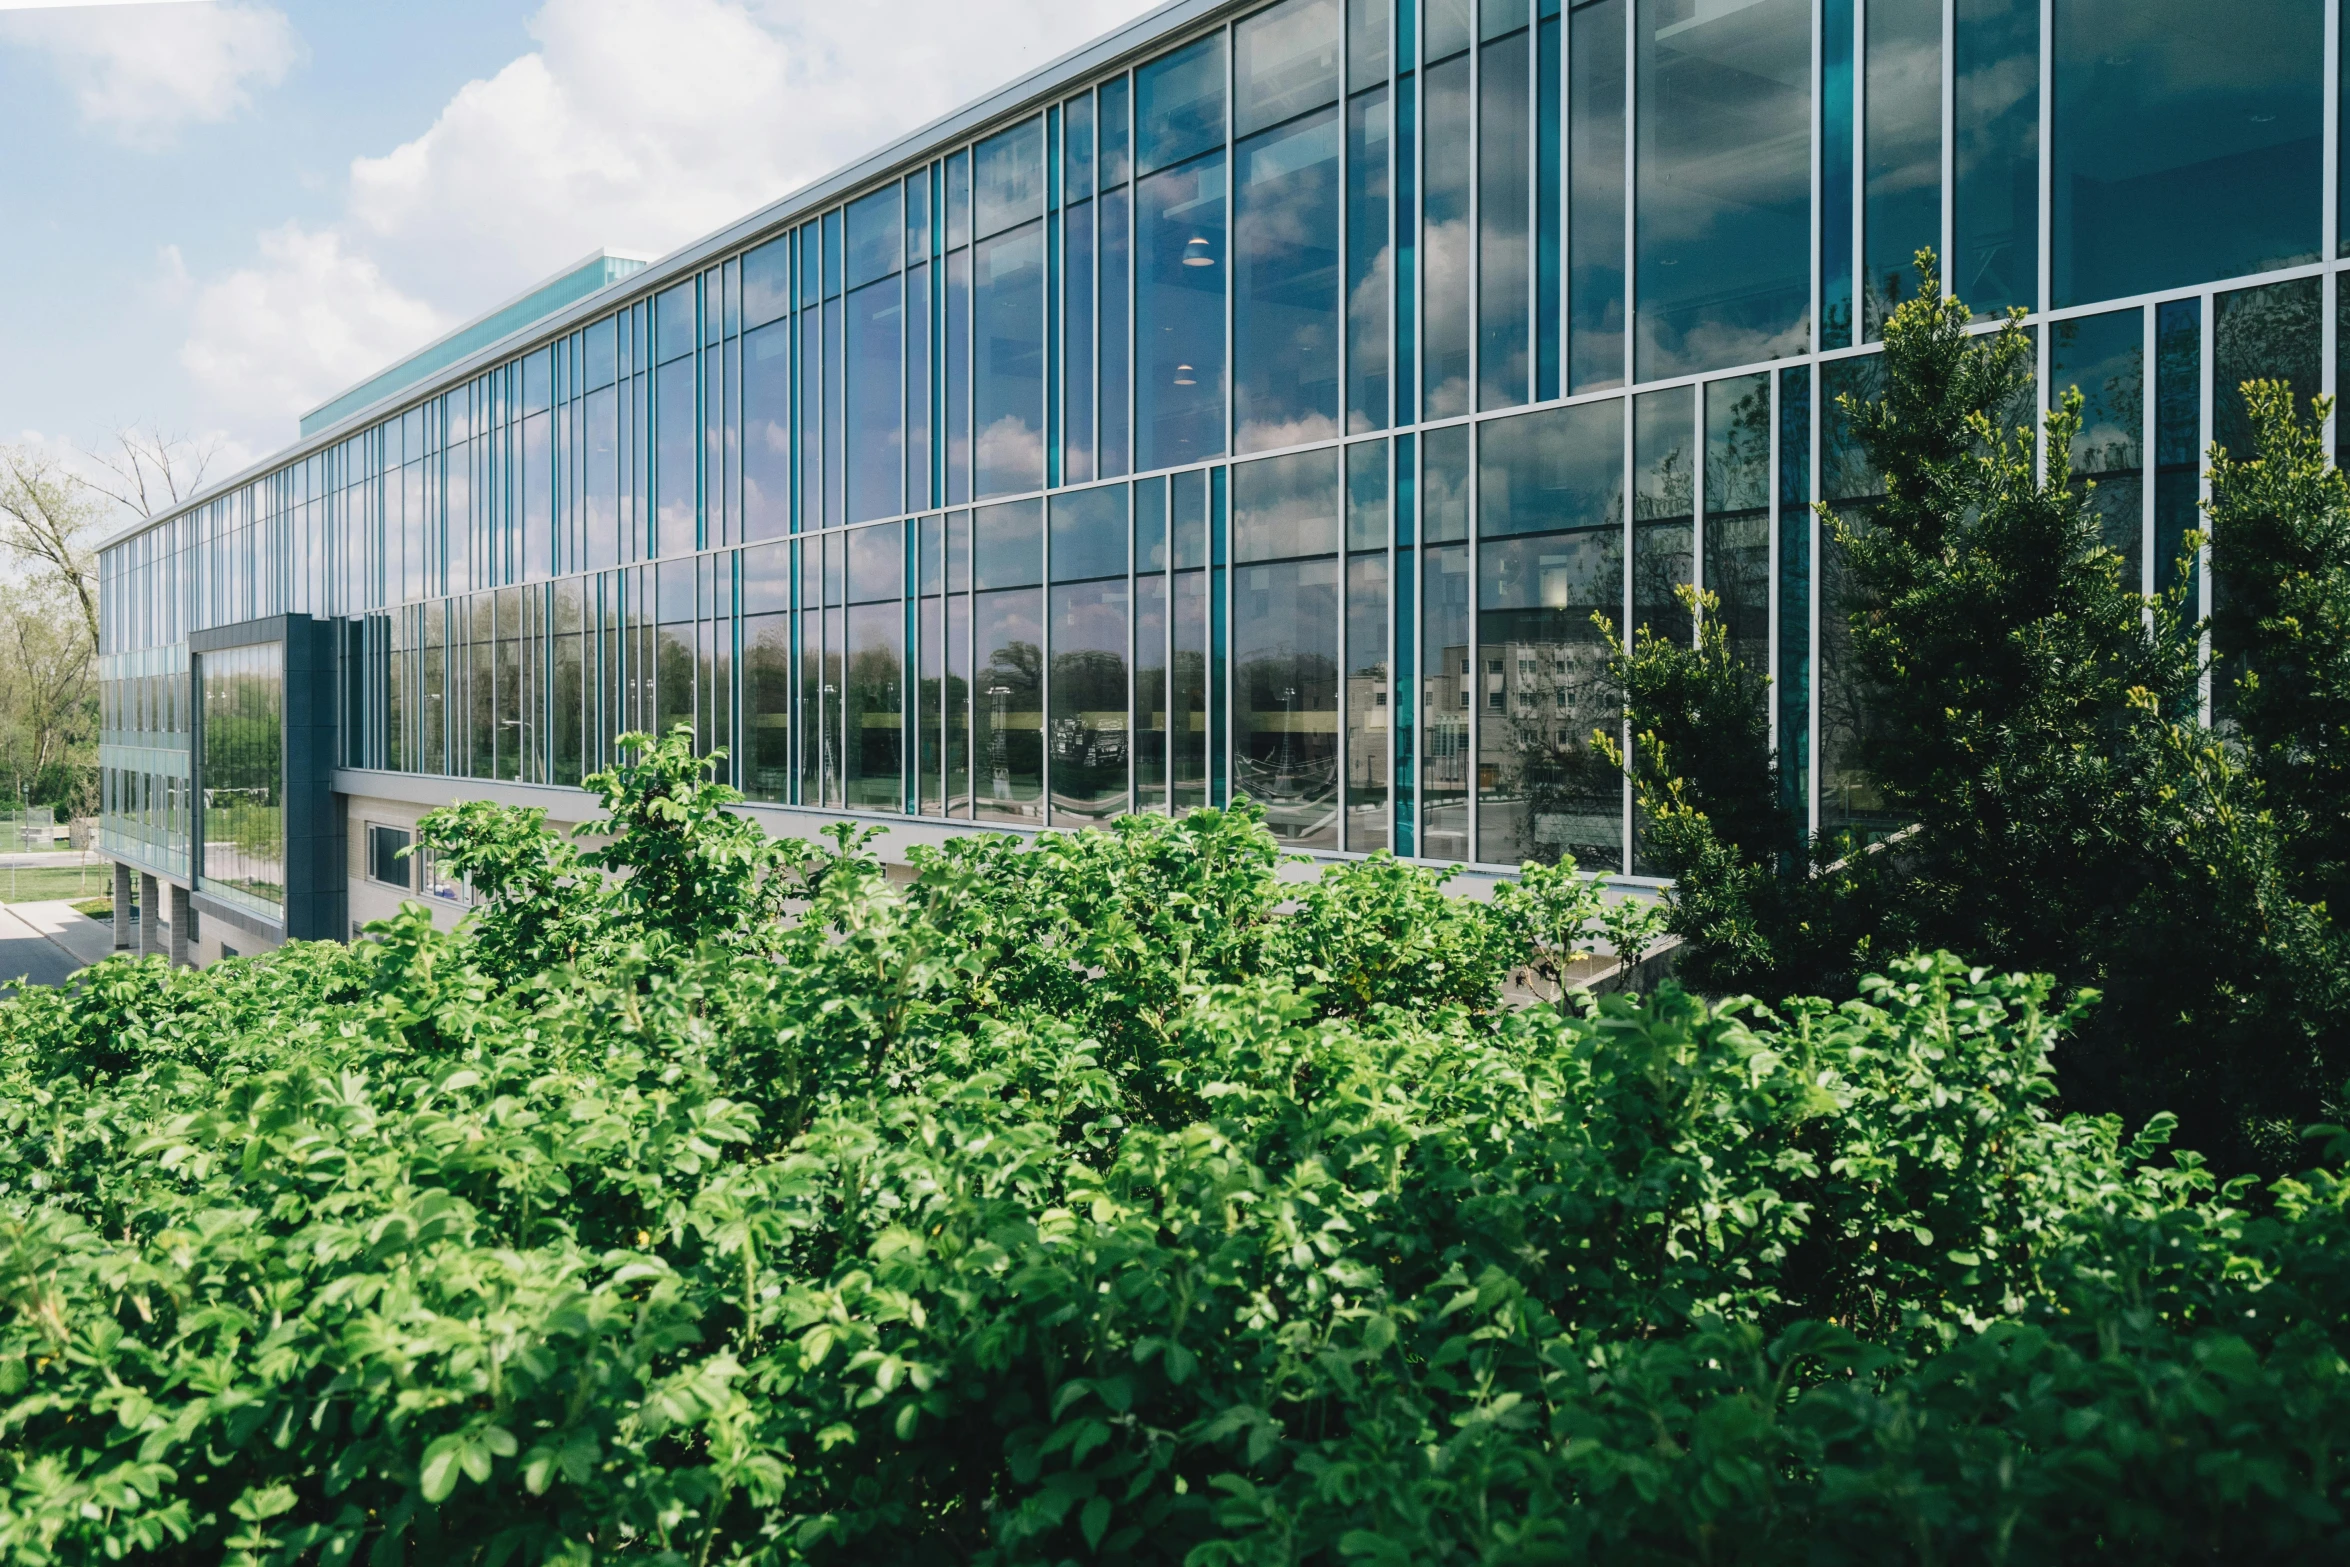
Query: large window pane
(1116, 385)
(1664, 500)
(1179, 330)
(918, 385)
(2104, 356)
(1793, 676)
(1595, 196)
(1368, 247)
(1286, 506)
(1367, 610)
(600, 511)
(1285, 299)
(875, 236)
(2273, 334)
(872, 706)
(1179, 105)
(1008, 371)
(1995, 205)
(1007, 178)
(1008, 641)
(1503, 234)
(243, 811)
(1446, 252)
(2187, 142)
(1724, 184)
(1738, 512)
(766, 605)
(1077, 350)
(876, 407)
(1089, 727)
(1089, 534)
(1285, 62)
(1551, 511)
(1285, 697)
(1444, 704)
(1903, 157)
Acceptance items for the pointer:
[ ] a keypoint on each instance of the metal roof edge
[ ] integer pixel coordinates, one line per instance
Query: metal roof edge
(473, 322)
(1145, 31)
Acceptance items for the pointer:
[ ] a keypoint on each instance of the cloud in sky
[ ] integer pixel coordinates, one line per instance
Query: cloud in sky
(631, 124)
(141, 72)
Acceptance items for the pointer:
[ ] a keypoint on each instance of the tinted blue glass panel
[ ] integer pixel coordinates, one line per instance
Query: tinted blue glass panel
(1116, 387)
(1446, 26)
(1088, 698)
(767, 432)
(877, 563)
(1737, 533)
(958, 200)
(832, 263)
(1007, 178)
(1007, 545)
(2104, 356)
(1285, 285)
(958, 374)
(876, 417)
(1179, 105)
(918, 385)
(1725, 184)
(918, 218)
(1903, 139)
(1285, 693)
(1179, 330)
(676, 440)
(1838, 24)
(1077, 346)
(1284, 63)
(2187, 142)
(1561, 468)
(1793, 690)
(1366, 41)
(876, 231)
(1077, 148)
(1995, 205)
(2274, 333)
(601, 361)
(1368, 234)
(1116, 139)
(1286, 506)
(1595, 197)
(811, 263)
(1504, 179)
(673, 322)
(1446, 245)
(1089, 533)
(1007, 391)
(1549, 177)
(2178, 440)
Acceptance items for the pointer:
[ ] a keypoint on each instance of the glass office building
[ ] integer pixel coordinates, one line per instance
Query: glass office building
(1261, 402)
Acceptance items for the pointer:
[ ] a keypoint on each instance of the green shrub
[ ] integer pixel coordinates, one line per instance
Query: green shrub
(1077, 1202)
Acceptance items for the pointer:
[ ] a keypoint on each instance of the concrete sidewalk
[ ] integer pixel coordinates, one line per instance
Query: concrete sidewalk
(41, 942)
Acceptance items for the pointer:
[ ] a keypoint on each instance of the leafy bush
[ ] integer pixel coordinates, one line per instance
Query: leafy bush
(1107, 1198)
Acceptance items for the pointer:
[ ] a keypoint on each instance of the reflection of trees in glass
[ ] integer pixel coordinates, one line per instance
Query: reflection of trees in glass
(1737, 512)
(243, 771)
(1545, 791)
(1287, 700)
(1011, 744)
(1089, 728)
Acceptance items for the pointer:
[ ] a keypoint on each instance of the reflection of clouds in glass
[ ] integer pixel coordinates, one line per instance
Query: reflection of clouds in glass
(1264, 435)
(1905, 110)
(1989, 93)
(1446, 266)
(1011, 456)
(1711, 345)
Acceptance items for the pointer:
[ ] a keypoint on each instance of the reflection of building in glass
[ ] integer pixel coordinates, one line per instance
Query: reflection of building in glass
(1101, 449)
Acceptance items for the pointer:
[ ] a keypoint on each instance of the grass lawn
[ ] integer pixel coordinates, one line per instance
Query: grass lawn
(96, 908)
(42, 883)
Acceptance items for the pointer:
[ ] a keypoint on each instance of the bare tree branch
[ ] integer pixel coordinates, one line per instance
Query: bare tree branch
(148, 471)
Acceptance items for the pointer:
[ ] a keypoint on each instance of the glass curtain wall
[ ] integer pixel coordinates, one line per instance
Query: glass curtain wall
(1271, 417)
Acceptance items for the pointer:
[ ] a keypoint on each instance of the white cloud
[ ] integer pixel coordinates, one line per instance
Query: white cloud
(641, 125)
(305, 320)
(634, 124)
(143, 71)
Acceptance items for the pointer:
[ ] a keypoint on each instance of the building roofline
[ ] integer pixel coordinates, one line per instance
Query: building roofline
(1087, 60)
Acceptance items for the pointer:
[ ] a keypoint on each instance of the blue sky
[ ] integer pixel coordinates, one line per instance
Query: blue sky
(222, 212)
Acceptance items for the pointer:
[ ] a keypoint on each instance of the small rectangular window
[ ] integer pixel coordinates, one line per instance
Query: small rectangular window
(673, 322)
(387, 860)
